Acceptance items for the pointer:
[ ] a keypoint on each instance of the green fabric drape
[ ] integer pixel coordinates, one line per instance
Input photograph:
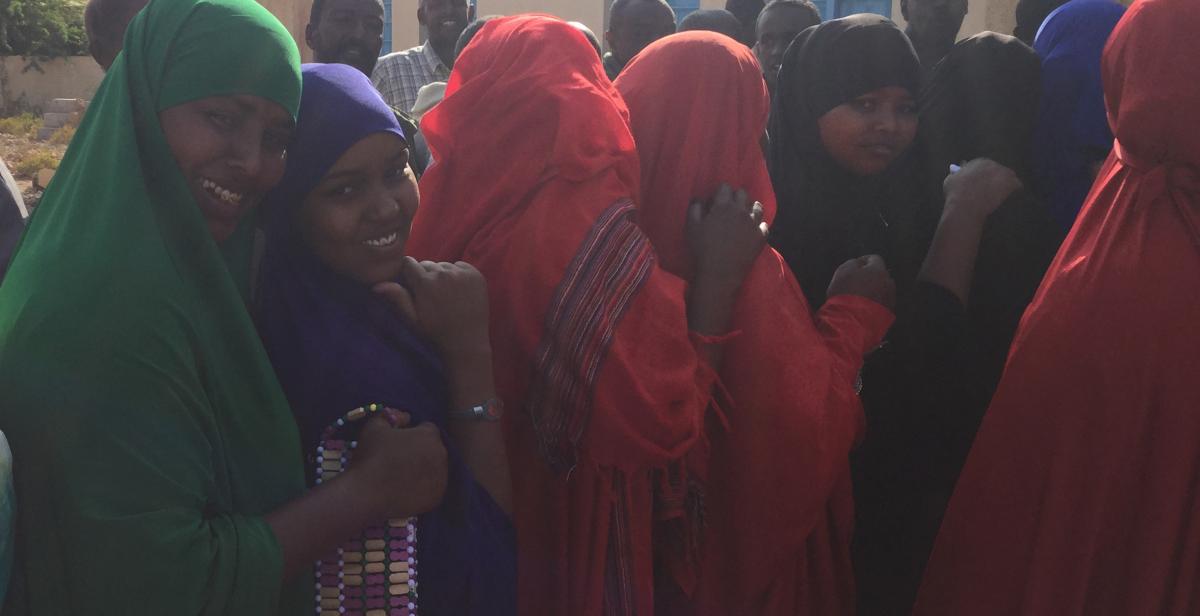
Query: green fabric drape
(148, 431)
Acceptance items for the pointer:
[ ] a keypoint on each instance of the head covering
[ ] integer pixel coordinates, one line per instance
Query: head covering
(1080, 494)
(429, 95)
(982, 101)
(336, 346)
(534, 181)
(151, 430)
(1072, 130)
(790, 395)
(826, 214)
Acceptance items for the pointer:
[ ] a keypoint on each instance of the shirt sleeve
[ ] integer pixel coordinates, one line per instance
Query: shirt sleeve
(852, 326)
(127, 497)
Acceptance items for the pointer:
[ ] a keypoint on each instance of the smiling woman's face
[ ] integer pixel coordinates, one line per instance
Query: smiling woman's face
(231, 152)
(868, 134)
(357, 218)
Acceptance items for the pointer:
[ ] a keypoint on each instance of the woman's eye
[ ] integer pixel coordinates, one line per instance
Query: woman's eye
(864, 105)
(222, 120)
(342, 191)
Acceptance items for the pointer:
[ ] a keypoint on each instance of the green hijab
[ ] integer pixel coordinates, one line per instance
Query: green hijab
(149, 434)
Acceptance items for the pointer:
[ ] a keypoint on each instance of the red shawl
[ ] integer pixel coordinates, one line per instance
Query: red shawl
(778, 503)
(534, 180)
(1082, 493)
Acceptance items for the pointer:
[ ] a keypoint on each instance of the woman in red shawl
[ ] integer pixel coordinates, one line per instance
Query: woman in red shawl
(606, 388)
(779, 510)
(1082, 491)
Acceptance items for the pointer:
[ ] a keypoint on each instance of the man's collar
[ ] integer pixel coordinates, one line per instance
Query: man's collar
(432, 57)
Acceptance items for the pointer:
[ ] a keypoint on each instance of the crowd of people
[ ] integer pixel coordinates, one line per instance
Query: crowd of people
(765, 313)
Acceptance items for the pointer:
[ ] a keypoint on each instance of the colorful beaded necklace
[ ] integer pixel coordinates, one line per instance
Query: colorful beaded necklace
(374, 574)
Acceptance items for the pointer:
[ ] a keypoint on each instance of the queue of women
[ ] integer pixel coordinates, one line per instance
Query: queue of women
(667, 344)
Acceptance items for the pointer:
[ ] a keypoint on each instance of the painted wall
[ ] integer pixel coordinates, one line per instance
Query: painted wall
(982, 15)
(26, 83)
(294, 15)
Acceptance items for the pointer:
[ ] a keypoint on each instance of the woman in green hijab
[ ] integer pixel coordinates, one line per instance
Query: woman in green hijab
(156, 463)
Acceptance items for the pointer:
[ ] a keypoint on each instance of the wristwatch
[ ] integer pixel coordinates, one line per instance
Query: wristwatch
(489, 410)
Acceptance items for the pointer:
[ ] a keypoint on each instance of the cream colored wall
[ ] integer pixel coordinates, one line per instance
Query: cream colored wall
(982, 15)
(294, 15)
(76, 77)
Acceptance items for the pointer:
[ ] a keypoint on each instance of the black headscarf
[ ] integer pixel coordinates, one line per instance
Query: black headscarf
(827, 214)
(982, 101)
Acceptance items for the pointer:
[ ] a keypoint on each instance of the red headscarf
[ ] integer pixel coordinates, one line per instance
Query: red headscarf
(777, 499)
(534, 180)
(1082, 492)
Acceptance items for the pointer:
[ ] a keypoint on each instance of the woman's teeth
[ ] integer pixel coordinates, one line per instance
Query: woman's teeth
(386, 240)
(223, 194)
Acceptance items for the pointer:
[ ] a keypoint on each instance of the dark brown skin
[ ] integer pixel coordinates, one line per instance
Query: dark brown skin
(776, 27)
(638, 24)
(445, 21)
(866, 277)
(397, 472)
(972, 194)
(357, 221)
(725, 236)
(348, 32)
(866, 135)
(933, 26)
(228, 143)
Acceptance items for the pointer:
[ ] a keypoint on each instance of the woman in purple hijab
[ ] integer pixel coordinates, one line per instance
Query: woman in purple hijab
(349, 321)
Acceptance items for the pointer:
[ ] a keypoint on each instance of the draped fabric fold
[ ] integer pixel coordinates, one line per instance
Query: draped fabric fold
(150, 431)
(336, 346)
(534, 181)
(776, 473)
(1080, 494)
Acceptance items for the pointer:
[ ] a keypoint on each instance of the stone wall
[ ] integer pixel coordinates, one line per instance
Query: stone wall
(28, 84)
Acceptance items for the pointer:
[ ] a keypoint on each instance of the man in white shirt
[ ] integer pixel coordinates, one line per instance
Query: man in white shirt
(399, 76)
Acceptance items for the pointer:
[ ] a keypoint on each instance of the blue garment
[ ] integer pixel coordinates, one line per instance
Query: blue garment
(1072, 133)
(336, 346)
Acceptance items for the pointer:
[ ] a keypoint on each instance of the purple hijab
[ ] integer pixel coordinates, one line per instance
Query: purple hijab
(1072, 132)
(336, 346)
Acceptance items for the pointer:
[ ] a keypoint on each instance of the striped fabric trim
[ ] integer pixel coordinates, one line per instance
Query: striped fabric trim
(618, 571)
(609, 269)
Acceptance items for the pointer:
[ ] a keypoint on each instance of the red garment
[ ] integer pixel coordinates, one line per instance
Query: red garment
(534, 180)
(778, 503)
(1082, 493)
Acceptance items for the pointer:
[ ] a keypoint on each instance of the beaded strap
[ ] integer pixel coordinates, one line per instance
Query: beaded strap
(374, 574)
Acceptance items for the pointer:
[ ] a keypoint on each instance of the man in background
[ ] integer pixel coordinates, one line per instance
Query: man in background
(105, 22)
(777, 25)
(747, 12)
(346, 32)
(933, 27)
(399, 76)
(632, 25)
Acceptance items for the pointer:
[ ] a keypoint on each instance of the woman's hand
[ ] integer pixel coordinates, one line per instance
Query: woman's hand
(401, 470)
(979, 188)
(867, 277)
(725, 237)
(445, 302)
